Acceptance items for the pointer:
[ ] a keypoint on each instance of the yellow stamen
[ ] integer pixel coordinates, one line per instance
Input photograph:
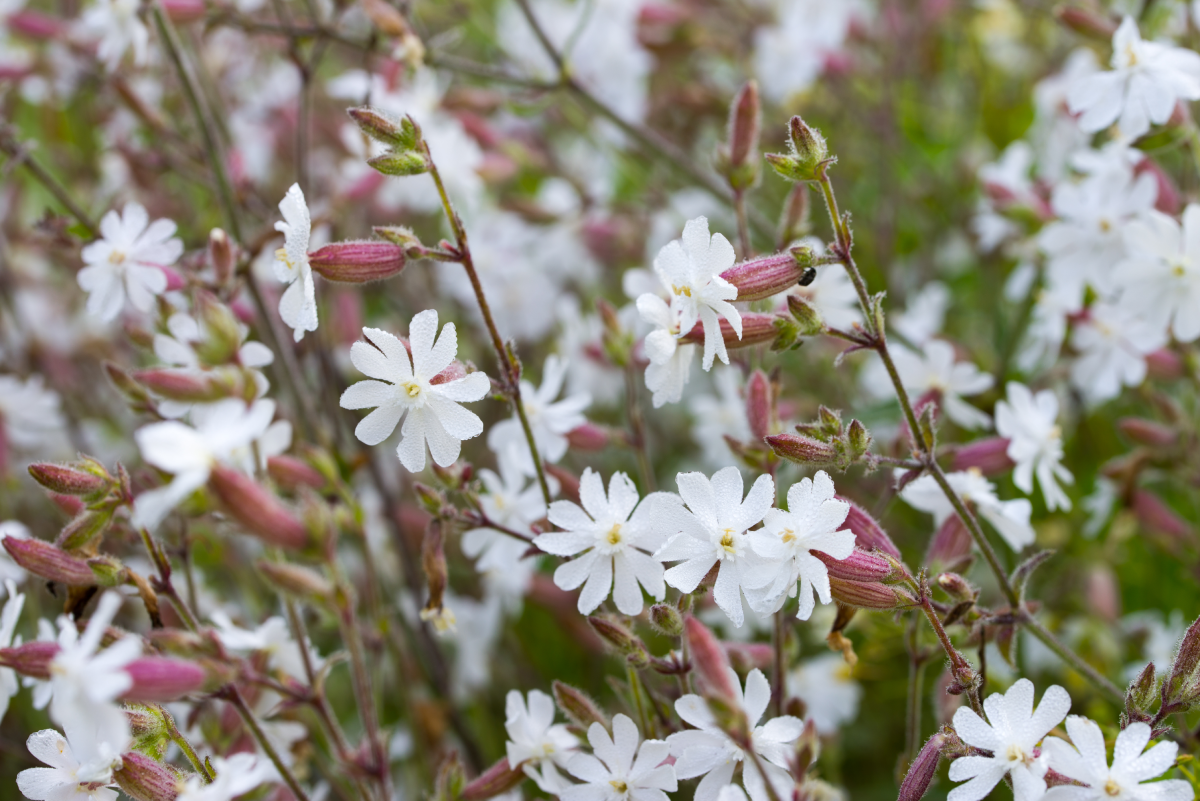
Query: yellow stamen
(614, 534)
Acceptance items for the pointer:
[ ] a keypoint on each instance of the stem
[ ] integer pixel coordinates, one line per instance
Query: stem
(25, 159)
(165, 585)
(777, 689)
(637, 427)
(631, 674)
(234, 696)
(743, 226)
(1073, 659)
(960, 668)
(916, 675)
(362, 689)
(177, 737)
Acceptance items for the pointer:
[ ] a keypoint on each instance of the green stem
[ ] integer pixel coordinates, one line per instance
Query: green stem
(25, 159)
(234, 696)
(177, 737)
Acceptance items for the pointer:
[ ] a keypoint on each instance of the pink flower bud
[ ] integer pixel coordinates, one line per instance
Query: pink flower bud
(757, 329)
(923, 769)
(221, 256)
(950, 545)
(144, 778)
(868, 534)
(758, 405)
(743, 124)
(745, 656)
(989, 456)
(1087, 22)
(184, 10)
(1147, 432)
(588, 437)
(159, 679)
(1164, 365)
(69, 504)
(709, 660)
(762, 278)
(1154, 515)
(35, 25)
(801, 449)
(860, 565)
(67, 479)
(31, 659)
(187, 385)
(292, 473)
(358, 261)
(1103, 595)
(869, 595)
(579, 708)
(568, 482)
(49, 562)
(498, 779)
(256, 509)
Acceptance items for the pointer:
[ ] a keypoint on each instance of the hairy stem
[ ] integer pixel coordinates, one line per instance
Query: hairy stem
(186, 747)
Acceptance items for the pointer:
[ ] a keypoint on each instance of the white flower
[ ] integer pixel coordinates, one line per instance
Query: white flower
(225, 432)
(128, 260)
(1161, 276)
(66, 779)
(1087, 762)
(535, 741)
(235, 776)
(713, 531)
(272, 638)
(178, 349)
(827, 687)
(811, 523)
(616, 539)
(29, 413)
(10, 570)
(708, 751)
(1112, 341)
(1009, 518)
(936, 371)
(670, 360)
(434, 413)
(550, 420)
(832, 292)
(791, 54)
(923, 315)
(298, 306)
(1146, 80)
(620, 770)
(690, 269)
(8, 625)
(1012, 732)
(1029, 422)
(117, 26)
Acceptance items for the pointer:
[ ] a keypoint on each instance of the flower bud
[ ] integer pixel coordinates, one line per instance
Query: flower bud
(1087, 22)
(860, 565)
(1183, 685)
(402, 134)
(84, 529)
(148, 724)
(868, 534)
(256, 509)
(220, 256)
(108, 570)
(400, 235)
(357, 262)
(144, 778)
(989, 456)
(49, 562)
(496, 780)
(292, 473)
(577, 706)
(807, 749)
(121, 379)
(808, 319)
(1142, 691)
(1103, 595)
(31, 659)
(759, 279)
(588, 437)
(957, 587)
(433, 562)
(190, 385)
(951, 544)
(616, 635)
(1147, 432)
(1164, 364)
(36, 25)
(923, 769)
(300, 582)
(802, 450)
(744, 117)
(400, 164)
(160, 679)
(757, 329)
(666, 619)
(72, 479)
(1155, 515)
(858, 440)
(808, 151)
(222, 330)
(710, 661)
(758, 404)
(869, 595)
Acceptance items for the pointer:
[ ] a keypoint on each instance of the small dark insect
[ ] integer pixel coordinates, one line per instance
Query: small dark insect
(810, 275)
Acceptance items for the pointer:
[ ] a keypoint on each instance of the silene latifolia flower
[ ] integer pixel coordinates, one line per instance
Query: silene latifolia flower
(1011, 733)
(236, 775)
(537, 744)
(615, 541)
(1087, 762)
(550, 420)
(407, 385)
(298, 306)
(936, 371)
(708, 751)
(128, 261)
(1029, 422)
(1009, 518)
(712, 530)
(1160, 279)
(65, 779)
(618, 770)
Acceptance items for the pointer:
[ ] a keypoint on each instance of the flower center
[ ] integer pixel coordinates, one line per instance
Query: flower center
(1112, 788)
(789, 535)
(619, 786)
(614, 535)
(1016, 754)
(1105, 225)
(727, 540)
(116, 257)
(682, 290)
(1179, 269)
(411, 388)
(281, 254)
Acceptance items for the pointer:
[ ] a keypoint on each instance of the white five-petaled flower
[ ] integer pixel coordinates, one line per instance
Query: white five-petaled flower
(1009, 518)
(713, 531)
(1012, 732)
(619, 769)
(236, 775)
(407, 386)
(1087, 762)
(272, 638)
(1160, 278)
(30, 414)
(1029, 422)
(549, 419)
(535, 742)
(1145, 82)
(936, 371)
(787, 538)
(298, 306)
(117, 26)
(708, 751)
(128, 260)
(670, 361)
(1112, 343)
(66, 779)
(616, 541)
(827, 687)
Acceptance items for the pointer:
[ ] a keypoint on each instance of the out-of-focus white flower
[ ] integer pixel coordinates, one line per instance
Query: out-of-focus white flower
(66, 779)
(235, 776)
(29, 412)
(713, 530)
(670, 361)
(178, 349)
(1047, 327)
(1087, 762)
(620, 770)
(535, 742)
(715, 417)
(433, 410)
(1145, 82)
(580, 344)
(128, 260)
(1030, 423)
(549, 419)
(272, 638)
(791, 54)
(298, 306)
(922, 318)
(1011, 733)
(8, 626)
(1160, 279)
(832, 292)
(224, 432)
(934, 371)
(1161, 639)
(827, 687)
(1009, 518)
(10, 570)
(616, 540)
(786, 540)
(115, 23)
(1112, 342)
(1055, 132)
